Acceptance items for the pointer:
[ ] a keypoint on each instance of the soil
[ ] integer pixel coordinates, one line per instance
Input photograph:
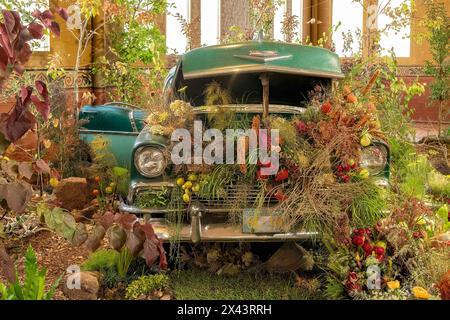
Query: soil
(53, 252)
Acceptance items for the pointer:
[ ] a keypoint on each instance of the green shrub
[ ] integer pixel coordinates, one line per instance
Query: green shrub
(33, 286)
(101, 260)
(145, 285)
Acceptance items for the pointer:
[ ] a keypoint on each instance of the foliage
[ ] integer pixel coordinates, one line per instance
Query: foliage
(124, 261)
(151, 199)
(29, 107)
(134, 61)
(33, 286)
(63, 223)
(101, 260)
(437, 24)
(145, 285)
(439, 184)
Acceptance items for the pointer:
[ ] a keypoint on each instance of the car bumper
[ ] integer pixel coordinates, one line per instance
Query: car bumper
(202, 228)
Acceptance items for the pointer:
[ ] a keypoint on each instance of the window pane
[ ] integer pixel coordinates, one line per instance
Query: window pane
(176, 41)
(278, 22)
(398, 40)
(350, 16)
(210, 22)
(297, 10)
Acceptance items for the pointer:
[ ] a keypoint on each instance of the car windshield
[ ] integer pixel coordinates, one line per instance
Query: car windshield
(246, 88)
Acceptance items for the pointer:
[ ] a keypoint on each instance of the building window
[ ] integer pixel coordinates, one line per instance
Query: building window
(297, 10)
(210, 22)
(278, 19)
(398, 40)
(176, 41)
(349, 24)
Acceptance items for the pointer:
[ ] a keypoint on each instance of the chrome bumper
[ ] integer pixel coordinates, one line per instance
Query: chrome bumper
(197, 231)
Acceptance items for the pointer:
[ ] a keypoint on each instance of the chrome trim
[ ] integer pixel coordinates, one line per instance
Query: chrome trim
(195, 212)
(260, 68)
(122, 133)
(222, 232)
(252, 108)
(120, 103)
(132, 121)
(263, 59)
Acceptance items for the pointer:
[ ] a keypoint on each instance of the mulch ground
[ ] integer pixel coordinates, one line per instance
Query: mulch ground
(53, 252)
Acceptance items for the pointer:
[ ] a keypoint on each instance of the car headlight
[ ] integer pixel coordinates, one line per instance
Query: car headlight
(374, 159)
(150, 161)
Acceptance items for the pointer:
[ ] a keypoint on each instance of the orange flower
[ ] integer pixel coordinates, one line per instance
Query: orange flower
(420, 293)
(394, 284)
(346, 90)
(351, 98)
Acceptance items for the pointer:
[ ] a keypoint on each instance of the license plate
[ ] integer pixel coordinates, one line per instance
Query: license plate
(263, 220)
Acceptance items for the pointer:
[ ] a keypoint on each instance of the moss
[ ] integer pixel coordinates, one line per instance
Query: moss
(145, 285)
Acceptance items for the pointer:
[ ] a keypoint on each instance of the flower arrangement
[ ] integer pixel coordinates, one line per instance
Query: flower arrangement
(164, 122)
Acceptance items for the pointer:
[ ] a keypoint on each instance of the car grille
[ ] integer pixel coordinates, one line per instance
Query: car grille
(237, 197)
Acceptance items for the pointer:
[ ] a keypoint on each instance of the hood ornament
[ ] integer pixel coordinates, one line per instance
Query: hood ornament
(263, 56)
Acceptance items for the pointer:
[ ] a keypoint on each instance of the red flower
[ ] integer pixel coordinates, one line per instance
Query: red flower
(379, 251)
(358, 241)
(283, 174)
(367, 247)
(326, 108)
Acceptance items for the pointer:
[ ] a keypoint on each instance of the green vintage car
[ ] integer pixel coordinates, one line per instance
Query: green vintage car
(268, 77)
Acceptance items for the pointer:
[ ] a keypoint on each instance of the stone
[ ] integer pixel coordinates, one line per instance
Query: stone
(83, 285)
(72, 193)
(84, 215)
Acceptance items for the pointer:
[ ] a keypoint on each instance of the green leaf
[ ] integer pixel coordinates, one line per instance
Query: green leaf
(120, 172)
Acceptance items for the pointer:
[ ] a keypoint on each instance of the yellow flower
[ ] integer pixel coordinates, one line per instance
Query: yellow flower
(420, 293)
(394, 284)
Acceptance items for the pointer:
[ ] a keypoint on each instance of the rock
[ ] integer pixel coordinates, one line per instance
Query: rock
(88, 285)
(84, 215)
(72, 193)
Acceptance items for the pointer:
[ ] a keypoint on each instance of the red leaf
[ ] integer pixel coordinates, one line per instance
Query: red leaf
(153, 247)
(25, 93)
(41, 88)
(41, 106)
(4, 60)
(7, 265)
(150, 252)
(17, 195)
(135, 240)
(42, 166)
(63, 13)
(15, 124)
(107, 219)
(127, 221)
(25, 169)
(36, 30)
(54, 27)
